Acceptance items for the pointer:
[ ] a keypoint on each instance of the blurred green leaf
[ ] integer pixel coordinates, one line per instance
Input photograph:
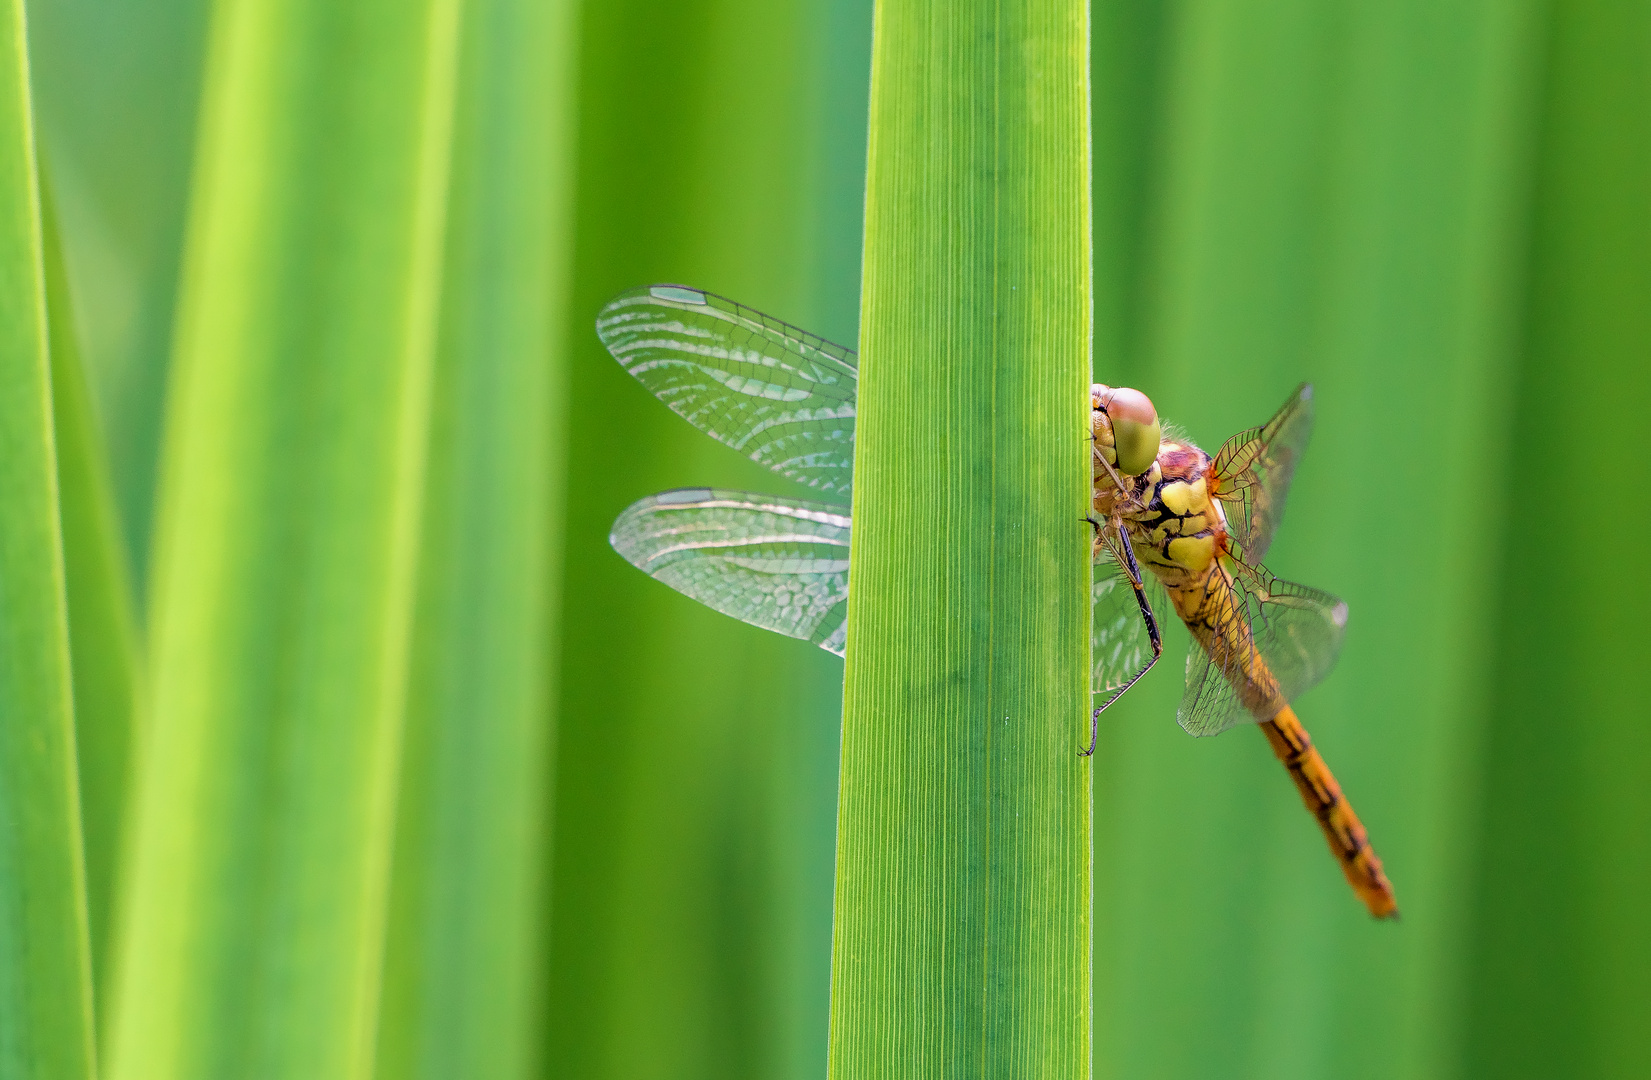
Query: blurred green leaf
(288, 541)
(722, 145)
(1560, 948)
(963, 870)
(45, 964)
(1128, 40)
(116, 84)
(102, 631)
(466, 954)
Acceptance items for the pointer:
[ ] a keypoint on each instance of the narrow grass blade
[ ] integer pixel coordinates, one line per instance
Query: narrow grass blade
(963, 870)
(45, 966)
(466, 956)
(286, 559)
(102, 631)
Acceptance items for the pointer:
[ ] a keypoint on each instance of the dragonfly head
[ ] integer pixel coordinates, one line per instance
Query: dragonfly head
(1126, 427)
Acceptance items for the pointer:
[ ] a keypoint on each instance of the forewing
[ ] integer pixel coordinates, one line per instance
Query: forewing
(775, 563)
(1252, 473)
(1274, 641)
(1121, 646)
(780, 395)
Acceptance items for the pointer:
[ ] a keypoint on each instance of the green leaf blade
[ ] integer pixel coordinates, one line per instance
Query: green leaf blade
(286, 555)
(102, 628)
(46, 1026)
(465, 956)
(963, 895)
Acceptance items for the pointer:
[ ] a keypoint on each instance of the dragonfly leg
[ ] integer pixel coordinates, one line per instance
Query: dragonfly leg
(1099, 543)
(1117, 481)
(1134, 571)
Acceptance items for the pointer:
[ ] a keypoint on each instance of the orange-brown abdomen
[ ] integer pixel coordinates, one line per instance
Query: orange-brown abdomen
(1341, 826)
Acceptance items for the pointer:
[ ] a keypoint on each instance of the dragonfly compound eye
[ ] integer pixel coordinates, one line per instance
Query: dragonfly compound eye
(1135, 430)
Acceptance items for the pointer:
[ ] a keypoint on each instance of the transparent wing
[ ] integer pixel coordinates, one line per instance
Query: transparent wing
(777, 394)
(1120, 636)
(775, 563)
(1252, 473)
(1262, 643)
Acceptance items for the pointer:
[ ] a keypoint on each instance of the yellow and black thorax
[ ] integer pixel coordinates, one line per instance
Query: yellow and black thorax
(1174, 525)
(1178, 528)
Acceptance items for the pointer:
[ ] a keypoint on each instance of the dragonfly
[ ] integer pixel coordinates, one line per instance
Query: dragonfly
(1174, 530)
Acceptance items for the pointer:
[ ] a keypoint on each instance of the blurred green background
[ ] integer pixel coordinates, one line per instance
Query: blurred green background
(1439, 212)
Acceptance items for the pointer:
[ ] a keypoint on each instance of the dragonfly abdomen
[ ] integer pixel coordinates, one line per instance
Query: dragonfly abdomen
(1341, 826)
(1210, 607)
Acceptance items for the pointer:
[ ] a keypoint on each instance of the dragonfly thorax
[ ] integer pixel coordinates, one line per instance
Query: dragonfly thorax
(1175, 525)
(1184, 527)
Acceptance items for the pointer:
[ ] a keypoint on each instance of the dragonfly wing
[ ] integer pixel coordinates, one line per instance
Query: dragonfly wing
(1120, 637)
(1209, 704)
(1252, 473)
(776, 563)
(779, 395)
(1273, 641)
